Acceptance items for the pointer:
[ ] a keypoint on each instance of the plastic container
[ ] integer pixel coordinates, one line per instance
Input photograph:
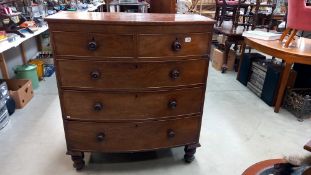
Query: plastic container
(28, 71)
(39, 64)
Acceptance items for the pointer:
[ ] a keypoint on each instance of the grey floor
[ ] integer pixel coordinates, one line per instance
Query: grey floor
(238, 130)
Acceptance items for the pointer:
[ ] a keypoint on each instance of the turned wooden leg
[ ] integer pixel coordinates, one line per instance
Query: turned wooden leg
(190, 151)
(77, 158)
(286, 31)
(291, 37)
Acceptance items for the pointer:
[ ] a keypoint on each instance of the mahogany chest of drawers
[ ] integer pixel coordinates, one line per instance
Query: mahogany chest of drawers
(130, 82)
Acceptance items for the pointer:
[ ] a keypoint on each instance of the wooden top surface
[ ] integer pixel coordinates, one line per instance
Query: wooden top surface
(299, 53)
(128, 18)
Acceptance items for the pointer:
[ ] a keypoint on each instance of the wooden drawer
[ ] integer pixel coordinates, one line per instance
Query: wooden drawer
(97, 45)
(127, 137)
(166, 45)
(132, 106)
(131, 75)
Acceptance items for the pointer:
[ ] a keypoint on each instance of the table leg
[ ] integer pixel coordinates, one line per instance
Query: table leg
(39, 43)
(243, 46)
(283, 84)
(23, 53)
(225, 57)
(4, 67)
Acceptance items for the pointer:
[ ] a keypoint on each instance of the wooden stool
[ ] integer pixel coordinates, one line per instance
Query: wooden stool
(260, 166)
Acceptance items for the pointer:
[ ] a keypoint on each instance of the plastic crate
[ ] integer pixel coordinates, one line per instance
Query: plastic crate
(298, 102)
(4, 117)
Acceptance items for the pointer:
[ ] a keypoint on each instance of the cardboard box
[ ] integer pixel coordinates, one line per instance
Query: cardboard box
(20, 90)
(218, 59)
(221, 39)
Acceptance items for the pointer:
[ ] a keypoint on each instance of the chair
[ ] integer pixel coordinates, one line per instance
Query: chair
(298, 18)
(225, 6)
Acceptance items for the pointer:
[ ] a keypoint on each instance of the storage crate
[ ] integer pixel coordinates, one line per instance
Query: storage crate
(298, 102)
(4, 117)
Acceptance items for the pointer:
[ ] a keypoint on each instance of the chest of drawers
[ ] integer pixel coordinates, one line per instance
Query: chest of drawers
(130, 82)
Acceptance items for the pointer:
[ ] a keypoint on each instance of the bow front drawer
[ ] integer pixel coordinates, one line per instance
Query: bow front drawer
(107, 106)
(94, 44)
(127, 137)
(131, 75)
(168, 45)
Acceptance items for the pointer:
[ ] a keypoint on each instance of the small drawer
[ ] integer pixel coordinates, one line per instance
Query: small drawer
(131, 75)
(94, 44)
(168, 45)
(109, 106)
(128, 137)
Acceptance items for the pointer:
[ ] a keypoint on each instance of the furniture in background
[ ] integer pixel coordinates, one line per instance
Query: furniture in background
(254, 17)
(6, 45)
(227, 10)
(139, 7)
(163, 6)
(297, 9)
(152, 68)
(232, 37)
(298, 54)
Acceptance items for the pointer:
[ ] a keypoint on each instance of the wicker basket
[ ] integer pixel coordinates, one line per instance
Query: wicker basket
(298, 102)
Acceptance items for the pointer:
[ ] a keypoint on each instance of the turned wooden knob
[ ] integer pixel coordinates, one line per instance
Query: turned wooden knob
(172, 104)
(92, 46)
(174, 74)
(100, 137)
(98, 107)
(176, 46)
(95, 75)
(170, 133)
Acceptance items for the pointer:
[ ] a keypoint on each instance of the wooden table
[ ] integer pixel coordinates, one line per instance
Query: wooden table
(5, 45)
(301, 53)
(233, 37)
(260, 166)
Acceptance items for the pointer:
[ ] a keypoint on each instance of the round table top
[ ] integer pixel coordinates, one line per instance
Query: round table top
(260, 166)
(299, 52)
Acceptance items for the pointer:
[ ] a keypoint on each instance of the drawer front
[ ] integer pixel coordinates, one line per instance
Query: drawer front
(96, 106)
(166, 45)
(97, 45)
(123, 137)
(131, 75)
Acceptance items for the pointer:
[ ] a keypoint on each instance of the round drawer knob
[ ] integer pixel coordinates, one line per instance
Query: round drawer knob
(98, 107)
(95, 75)
(170, 133)
(175, 74)
(92, 46)
(176, 46)
(172, 104)
(100, 137)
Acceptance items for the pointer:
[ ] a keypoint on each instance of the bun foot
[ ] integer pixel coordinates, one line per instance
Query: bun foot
(189, 152)
(77, 158)
(78, 162)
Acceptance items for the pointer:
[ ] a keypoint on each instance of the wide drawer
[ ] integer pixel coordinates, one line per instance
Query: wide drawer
(124, 137)
(167, 45)
(94, 44)
(131, 75)
(81, 105)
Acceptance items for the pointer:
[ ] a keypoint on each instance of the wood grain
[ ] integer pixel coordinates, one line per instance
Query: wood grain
(131, 75)
(132, 106)
(129, 137)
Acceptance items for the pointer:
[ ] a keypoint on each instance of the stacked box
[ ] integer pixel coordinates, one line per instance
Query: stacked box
(257, 77)
(4, 95)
